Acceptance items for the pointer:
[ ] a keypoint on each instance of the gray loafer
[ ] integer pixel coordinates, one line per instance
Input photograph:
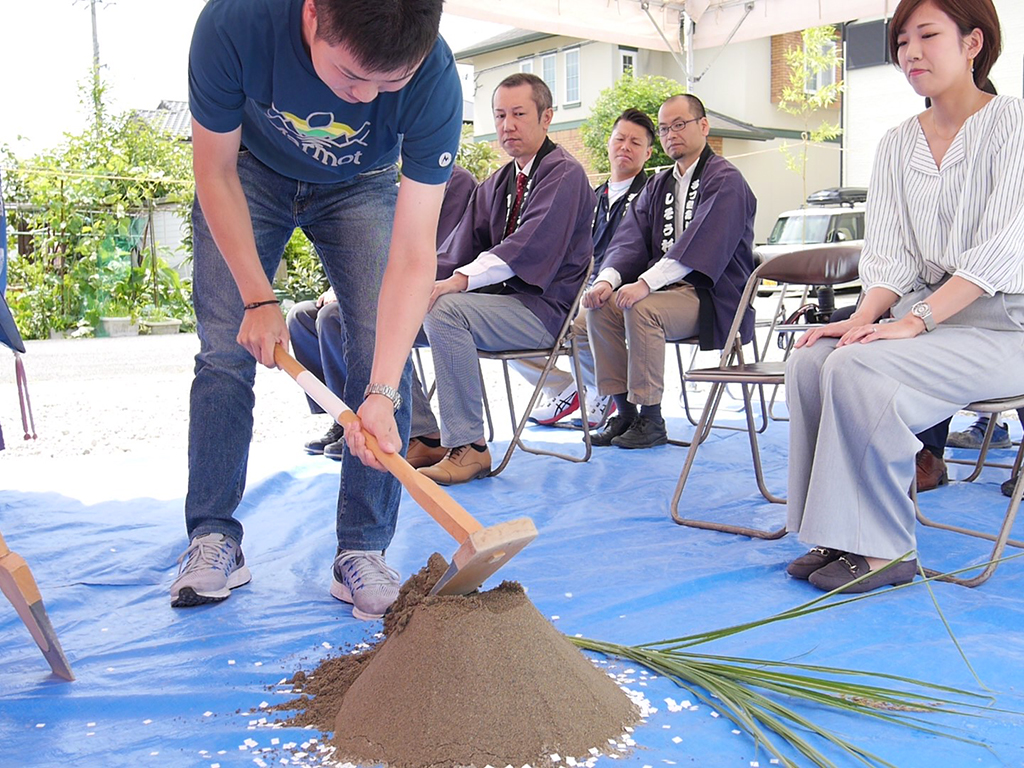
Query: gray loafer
(818, 557)
(848, 567)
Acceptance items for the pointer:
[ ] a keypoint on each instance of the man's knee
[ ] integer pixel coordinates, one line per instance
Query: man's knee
(446, 312)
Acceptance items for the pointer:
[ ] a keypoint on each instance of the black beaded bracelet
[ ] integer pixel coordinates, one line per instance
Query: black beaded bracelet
(256, 304)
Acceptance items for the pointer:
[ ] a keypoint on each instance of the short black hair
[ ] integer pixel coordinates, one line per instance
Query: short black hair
(384, 35)
(541, 93)
(695, 104)
(641, 118)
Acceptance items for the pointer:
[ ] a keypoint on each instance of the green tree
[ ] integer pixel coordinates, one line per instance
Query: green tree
(477, 157)
(645, 93)
(87, 203)
(805, 98)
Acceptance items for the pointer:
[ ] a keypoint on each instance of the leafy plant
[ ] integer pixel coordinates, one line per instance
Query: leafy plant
(86, 203)
(477, 157)
(304, 274)
(819, 53)
(645, 93)
(753, 692)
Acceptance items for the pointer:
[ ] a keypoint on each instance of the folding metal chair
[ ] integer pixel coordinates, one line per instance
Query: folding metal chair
(826, 265)
(564, 345)
(1002, 538)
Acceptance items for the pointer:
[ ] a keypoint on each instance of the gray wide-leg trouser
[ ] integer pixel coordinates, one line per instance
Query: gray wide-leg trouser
(854, 412)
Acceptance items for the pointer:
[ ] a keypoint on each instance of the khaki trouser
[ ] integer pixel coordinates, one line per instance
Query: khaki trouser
(629, 345)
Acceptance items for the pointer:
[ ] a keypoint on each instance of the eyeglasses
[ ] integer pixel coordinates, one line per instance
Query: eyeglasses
(676, 127)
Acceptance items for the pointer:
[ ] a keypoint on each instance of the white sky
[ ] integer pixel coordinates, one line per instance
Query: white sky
(46, 53)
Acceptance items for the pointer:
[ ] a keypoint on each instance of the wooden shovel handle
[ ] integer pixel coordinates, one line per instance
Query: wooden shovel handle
(438, 504)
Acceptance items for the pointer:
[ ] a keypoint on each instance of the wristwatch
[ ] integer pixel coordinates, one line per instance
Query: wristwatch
(924, 312)
(383, 389)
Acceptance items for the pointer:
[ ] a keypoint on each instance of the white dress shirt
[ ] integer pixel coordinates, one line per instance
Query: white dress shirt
(964, 217)
(665, 271)
(487, 268)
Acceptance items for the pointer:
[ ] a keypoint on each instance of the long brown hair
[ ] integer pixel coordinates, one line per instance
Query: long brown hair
(967, 15)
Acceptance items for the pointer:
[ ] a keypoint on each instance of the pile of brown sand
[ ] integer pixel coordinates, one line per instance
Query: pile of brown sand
(458, 681)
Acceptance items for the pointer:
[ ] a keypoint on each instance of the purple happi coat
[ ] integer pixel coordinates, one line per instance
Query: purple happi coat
(550, 249)
(717, 244)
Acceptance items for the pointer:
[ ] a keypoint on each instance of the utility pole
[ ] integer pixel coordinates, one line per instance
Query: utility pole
(96, 96)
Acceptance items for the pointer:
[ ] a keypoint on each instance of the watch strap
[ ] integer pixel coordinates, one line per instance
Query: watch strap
(383, 389)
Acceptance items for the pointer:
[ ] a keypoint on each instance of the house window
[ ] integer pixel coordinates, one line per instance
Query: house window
(547, 73)
(526, 65)
(825, 77)
(572, 76)
(627, 60)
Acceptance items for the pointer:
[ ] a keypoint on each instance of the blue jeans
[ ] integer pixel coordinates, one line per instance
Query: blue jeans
(318, 342)
(349, 223)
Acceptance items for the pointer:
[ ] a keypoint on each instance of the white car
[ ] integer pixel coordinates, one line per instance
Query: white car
(831, 216)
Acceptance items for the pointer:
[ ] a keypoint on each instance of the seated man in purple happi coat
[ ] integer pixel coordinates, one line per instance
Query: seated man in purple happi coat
(675, 269)
(507, 277)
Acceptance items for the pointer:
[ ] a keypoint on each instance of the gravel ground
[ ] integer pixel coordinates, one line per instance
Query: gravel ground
(123, 395)
(129, 395)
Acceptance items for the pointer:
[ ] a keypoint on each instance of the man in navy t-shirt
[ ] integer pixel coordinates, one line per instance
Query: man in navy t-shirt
(301, 109)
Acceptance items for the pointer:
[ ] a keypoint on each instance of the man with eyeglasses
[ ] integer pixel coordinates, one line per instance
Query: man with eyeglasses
(676, 268)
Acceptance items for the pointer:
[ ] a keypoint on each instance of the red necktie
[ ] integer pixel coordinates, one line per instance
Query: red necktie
(513, 215)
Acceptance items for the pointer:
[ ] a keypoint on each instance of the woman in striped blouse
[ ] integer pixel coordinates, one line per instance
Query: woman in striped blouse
(944, 254)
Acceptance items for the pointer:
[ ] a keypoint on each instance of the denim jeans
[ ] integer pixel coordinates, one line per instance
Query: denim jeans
(318, 342)
(349, 223)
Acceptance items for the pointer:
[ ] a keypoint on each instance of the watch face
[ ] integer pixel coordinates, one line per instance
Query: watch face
(920, 309)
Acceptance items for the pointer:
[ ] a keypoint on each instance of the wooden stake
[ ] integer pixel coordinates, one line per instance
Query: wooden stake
(17, 584)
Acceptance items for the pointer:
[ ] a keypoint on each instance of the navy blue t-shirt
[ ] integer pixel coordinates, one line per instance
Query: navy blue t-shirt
(248, 66)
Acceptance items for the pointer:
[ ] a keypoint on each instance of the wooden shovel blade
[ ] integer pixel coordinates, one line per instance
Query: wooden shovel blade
(483, 553)
(20, 588)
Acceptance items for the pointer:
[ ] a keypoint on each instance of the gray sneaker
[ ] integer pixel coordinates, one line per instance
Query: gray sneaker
(210, 568)
(362, 578)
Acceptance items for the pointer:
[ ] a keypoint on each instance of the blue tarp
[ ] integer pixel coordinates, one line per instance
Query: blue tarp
(164, 687)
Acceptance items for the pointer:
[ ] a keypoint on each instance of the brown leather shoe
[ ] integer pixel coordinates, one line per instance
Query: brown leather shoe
(931, 471)
(460, 465)
(422, 455)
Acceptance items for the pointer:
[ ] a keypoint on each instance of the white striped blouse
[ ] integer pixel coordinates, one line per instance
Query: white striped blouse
(964, 218)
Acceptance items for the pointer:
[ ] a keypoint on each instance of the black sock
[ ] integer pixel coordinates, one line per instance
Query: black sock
(652, 412)
(478, 448)
(430, 442)
(626, 409)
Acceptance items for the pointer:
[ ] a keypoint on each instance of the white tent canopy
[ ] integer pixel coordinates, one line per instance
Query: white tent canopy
(649, 23)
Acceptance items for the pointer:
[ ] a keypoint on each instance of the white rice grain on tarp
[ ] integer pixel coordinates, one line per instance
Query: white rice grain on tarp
(676, 740)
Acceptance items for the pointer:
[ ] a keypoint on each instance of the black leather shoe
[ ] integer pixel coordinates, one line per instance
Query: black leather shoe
(333, 435)
(645, 432)
(336, 450)
(1007, 486)
(616, 426)
(848, 567)
(817, 558)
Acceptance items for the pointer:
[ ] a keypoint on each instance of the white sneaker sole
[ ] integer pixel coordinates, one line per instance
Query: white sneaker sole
(340, 592)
